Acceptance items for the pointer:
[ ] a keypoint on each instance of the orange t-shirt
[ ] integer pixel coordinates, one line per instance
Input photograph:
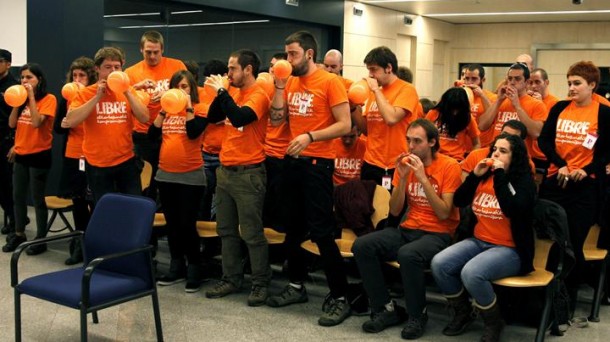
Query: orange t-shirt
(29, 139)
(385, 142)
(346, 82)
(444, 175)
(348, 161)
(549, 102)
(277, 139)
(245, 145)
(477, 109)
(178, 152)
(108, 128)
(456, 147)
(310, 100)
(601, 99)
(492, 225)
(161, 74)
(420, 111)
(214, 132)
(573, 125)
(535, 109)
(74, 144)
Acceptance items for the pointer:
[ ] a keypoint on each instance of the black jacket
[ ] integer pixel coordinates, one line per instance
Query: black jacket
(518, 207)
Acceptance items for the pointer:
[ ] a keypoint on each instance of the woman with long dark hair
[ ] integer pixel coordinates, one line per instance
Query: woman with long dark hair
(73, 182)
(502, 192)
(32, 155)
(459, 133)
(181, 180)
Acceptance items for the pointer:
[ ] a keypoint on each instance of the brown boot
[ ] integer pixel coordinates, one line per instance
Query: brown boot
(493, 322)
(463, 314)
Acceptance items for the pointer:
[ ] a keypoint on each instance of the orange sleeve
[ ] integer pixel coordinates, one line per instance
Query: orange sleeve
(336, 92)
(473, 129)
(407, 99)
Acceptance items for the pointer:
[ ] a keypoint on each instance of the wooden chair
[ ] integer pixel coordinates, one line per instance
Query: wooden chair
(58, 206)
(146, 175)
(159, 220)
(540, 277)
(597, 255)
(381, 203)
(274, 237)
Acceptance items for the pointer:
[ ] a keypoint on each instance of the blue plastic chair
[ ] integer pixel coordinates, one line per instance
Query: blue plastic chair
(117, 268)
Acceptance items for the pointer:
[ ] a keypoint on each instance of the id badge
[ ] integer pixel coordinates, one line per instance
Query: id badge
(81, 164)
(590, 140)
(386, 182)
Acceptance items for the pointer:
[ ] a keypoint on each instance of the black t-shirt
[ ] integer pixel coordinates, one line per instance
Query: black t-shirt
(5, 110)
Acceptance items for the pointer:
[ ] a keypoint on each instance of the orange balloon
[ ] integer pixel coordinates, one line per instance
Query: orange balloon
(469, 94)
(70, 90)
(266, 81)
(282, 69)
(173, 101)
(15, 95)
(358, 92)
(118, 81)
(489, 162)
(143, 96)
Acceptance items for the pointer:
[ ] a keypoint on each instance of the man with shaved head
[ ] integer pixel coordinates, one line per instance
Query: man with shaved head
(527, 60)
(333, 63)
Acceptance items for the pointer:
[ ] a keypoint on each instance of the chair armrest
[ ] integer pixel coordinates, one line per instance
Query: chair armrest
(17, 253)
(92, 266)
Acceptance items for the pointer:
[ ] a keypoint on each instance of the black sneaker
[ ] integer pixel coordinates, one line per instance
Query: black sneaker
(194, 278)
(258, 295)
(37, 249)
(7, 229)
(336, 312)
(170, 279)
(289, 295)
(13, 242)
(384, 319)
(415, 327)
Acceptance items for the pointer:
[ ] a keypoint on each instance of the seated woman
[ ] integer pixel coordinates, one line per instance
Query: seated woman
(502, 192)
(459, 133)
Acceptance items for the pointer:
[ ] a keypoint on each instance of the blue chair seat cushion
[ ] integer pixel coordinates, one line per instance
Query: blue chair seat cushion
(66, 290)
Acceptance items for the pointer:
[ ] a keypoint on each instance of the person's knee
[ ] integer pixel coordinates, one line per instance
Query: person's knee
(362, 246)
(470, 275)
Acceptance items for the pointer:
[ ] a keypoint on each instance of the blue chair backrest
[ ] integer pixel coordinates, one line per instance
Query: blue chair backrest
(120, 223)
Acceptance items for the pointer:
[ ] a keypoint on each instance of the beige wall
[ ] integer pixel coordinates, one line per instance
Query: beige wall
(413, 44)
(433, 49)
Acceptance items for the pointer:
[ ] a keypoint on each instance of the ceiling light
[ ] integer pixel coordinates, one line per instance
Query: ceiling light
(470, 14)
(131, 15)
(195, 24)
(187, 12)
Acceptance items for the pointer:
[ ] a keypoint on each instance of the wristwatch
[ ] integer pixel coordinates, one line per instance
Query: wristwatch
(190, 110)
(221, 90)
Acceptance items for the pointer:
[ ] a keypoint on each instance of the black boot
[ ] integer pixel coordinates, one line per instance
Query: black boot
(76, 252)
(463, 314)
(493, 323)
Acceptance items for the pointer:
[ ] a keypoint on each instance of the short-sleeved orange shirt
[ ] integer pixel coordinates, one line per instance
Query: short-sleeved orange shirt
(346, 82)
(310, 100)
(178, 152)
(161, 74)
(601, 99)
(214, 133)
(445, 176)
(385, 142)
(245, 145)
(108, 128)
(456, 147)
(573, 125)
(549, 102)
(473, 158)
(348, 162)
(535, 109)
(29, 139)
(277, 139)
(477, 109)
(492, 225)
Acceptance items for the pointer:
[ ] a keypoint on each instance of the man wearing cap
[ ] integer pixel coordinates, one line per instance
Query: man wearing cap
(7, 138)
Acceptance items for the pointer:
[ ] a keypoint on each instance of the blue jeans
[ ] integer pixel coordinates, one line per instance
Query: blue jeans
(473, 264)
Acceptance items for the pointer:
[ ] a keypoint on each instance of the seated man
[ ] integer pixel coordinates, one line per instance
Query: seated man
(427, 180)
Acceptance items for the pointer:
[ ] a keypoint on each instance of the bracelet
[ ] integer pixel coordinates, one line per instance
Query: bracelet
(310, 136)
(220, 91)
(162, 113)
(190, 110)
(280, 88)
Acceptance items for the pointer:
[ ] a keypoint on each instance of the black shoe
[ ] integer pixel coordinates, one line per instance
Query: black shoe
(73, 260)
(415, 327)
(194, 278)
(37, 249)
(13, 242)
(170, 279)
(384, 319)
(7, 229)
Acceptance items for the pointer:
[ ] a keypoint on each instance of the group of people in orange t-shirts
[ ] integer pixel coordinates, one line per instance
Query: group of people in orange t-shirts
(272, 156)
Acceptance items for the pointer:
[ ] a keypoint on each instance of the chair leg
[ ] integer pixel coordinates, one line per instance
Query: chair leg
(66, 222)
(546, 313)
(157, 313)
(51, 220)
(95, 318)
(597, 293)
(83, 325)
(17, 316)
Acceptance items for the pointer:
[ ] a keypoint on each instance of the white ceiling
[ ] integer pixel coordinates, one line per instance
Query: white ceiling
(544, 10)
